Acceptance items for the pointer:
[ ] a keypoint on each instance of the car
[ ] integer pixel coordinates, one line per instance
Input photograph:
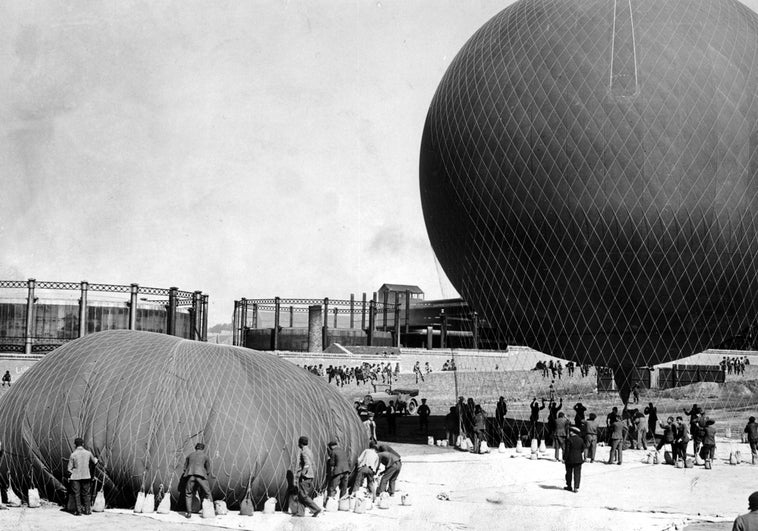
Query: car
(378, 401)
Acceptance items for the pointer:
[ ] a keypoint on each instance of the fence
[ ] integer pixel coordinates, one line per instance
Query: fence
(40, 322)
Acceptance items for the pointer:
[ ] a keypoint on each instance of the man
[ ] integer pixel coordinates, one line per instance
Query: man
(305, 475)
(552, 415)
(501, 409)
(370, 427)
(669, 434)
(590, 436)
(636, 393)
(580, 409)
(695, 413)
(561, 432)
(80, 477)
(197, 470)
(640, 424)
(618, 436)
(573, 459)
(423, 416)
(610, 419)
(752, 437)
(7, 378)
(652, 419)
(452, 426)
(535, 416)
(339, 469)
(708, 451)
(368, 465)
(392, 466)
(480, 427)
(749, 521)
(682, 439)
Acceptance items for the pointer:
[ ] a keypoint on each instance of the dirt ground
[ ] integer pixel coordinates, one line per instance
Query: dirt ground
(492, 491)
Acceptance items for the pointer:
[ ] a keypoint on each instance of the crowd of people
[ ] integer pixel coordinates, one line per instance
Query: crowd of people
(365, 373)
(551, 369)
(734, 365)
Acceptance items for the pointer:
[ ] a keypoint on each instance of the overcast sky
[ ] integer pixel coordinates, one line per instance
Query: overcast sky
(245, 149)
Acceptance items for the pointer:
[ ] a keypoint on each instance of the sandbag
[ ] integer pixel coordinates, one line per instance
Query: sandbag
(535, 445)
(361, 505)
(405, 499)
(384, 501)
(140, 503)
(519, 446)
(164, 507)
(269, 507)
(501, 448)
(484, 448)
(689, 463)
(332, 504)
(656, 458)
(533, 456)
(430, 440)
(734, 457)
(469, 445)
(208, 510)
(678, 463)
(344, 503)
(295, 508)
(668, 457)
(543, 446)
(458, 441)
(33, 497)
(13, 499)
(698, 459)
(149, 505)
(464, 444)
(220, 507)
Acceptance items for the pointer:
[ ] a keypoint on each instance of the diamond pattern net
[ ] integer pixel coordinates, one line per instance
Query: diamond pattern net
(141, 401)
(588, 176)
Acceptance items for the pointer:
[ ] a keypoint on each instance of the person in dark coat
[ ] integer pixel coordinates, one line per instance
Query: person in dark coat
(534, 417)
(501, 410)
(749, 521)
(197, 470)
(561, 433)
(452, 426)
(669, 434)
(708, 450)
(552, 414)
(652, 419)
(339, 469)
(682, 439)
(579, 408)
(752, 436)
(423, 416)
(573, 459)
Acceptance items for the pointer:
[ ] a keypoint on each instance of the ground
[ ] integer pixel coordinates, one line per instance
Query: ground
(492, 491)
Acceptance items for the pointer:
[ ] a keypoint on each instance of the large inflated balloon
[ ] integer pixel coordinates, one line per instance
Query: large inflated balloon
(141, 401)
(589, 171)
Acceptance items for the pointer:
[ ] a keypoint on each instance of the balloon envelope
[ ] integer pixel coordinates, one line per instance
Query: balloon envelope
(141, 401)
(588, 176)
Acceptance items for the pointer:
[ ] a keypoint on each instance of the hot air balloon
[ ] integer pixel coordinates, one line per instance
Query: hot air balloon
(588, 177)
(141, 401)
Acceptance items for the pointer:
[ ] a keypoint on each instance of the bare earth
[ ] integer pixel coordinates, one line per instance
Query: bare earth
(491, 491)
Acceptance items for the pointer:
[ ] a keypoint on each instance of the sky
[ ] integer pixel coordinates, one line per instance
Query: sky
(241, 148)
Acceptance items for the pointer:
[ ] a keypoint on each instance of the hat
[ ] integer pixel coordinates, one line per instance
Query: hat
(574, 429)
(752, 501)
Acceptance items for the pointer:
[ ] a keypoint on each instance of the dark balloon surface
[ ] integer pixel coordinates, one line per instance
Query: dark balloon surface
(588, 176)
(141, 401)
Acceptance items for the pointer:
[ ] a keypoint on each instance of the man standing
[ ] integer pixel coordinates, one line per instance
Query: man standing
(590, 436)
(197, 470)
(561, 432)
(452, 426)
(7, 378)
(501, 409)
(752, 437)
(423, 416)
(535, 416)
(682, 439)
(573, 458)
(652, 419)
(749, 521)
(617, 440)
(392, 465)
(80, 477)
(370, 427)
(305, 475)
(339, 469)
(640, 424)
(708, 451)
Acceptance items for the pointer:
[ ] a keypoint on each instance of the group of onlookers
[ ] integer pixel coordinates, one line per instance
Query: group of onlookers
(554, 369)
(364, 373)
(734, 365)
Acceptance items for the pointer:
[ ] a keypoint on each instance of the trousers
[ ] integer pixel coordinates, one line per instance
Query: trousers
(196, 483)
(574, 471)
(80, 488)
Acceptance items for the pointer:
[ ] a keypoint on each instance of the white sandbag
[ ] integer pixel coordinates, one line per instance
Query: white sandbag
(384, 501)
(164, 507)
(33, 497)
(484, 448)
(208, 510)
(535, 445)
(140, 503)
(734, 458)
(458, 441)
(99, 505)
(469, 444)
(501, 447)
(533, 456)
(519, 446)
(543, 447)
(270, 506)
(444, 443)
(332, 504)
(220, 506)
(430, 440)
(405, 499)
(149, 505)
(463, 444)
(361, 505)
(344, 504)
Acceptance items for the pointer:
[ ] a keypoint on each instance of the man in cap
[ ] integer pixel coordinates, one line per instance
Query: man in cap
(339, 469)
(305, 475)
(368, 466)
(197, 470)
(573, 458)
(749, 521)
